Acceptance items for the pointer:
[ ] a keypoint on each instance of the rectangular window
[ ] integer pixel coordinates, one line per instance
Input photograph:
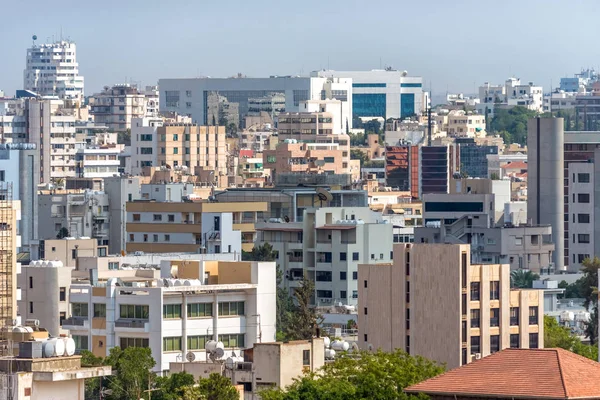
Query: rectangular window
(495, 290)
(355, 256)
(514, 341)
(81, 343)
(475, 345)
(583, 198)
(343, 294)
(199, 310)
(533, 315)
(172, 343)
(475, 318)
(231, 308)
(31, 282)
(79, 309)
(494, 343)
(113, 265)
(495, 317)
(62, 294)
(323, 276)
(130, 311)
(157, 217)
(233, 340)
(464, 267)
(475, 287)
(31, 307)
(325, 294)
(99, 310)
(136, 217)
(306, 357)
(533, 341)
(134, 342)
(583, 238)
(583, 218)
(514, 316)
(354, 275)
(172, 311)
(342, 256)
(198, 342)
(583, 178)
(343, 275)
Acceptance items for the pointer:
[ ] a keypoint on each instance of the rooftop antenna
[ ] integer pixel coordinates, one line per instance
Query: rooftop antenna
(34, 38)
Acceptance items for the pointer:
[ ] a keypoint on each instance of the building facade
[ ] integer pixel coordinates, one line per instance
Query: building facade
(473, 314)
(116, 106)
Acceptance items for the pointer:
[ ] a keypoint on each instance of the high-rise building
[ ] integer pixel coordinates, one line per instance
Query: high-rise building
(116, 106)
(545, 168)
(53, 70)
(10, 214)
(433, 302)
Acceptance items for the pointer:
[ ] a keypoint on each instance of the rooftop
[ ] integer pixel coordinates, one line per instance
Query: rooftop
(515, 165)
(520, 373)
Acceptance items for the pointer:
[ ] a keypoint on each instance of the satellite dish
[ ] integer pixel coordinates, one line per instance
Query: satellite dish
(219, 352)
(190, 356)
(324, 195)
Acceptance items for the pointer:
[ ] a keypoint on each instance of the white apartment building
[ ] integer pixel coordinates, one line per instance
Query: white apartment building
(64, 145)
(327, 248)
(255, 140)
(560, 100)
(231, 302)
(339, 110)
(116, 106)
(53, 70)
(512, 93)
(98, 162)
(144, 143)
(464, 124)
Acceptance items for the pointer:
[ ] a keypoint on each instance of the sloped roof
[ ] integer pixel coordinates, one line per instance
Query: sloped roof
(515, 165)
(520, 373)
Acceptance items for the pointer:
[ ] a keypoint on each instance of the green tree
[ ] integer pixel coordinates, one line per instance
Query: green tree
(232, 130)
(514, 122)
(124, 137)
(131, 372)
(356, 154)
(217, 387)
(172, 387)
(372, 126)
(92, 385)
(556, 335)
(365, 376)
(522, 279)
(304, 318)
(590, 294)
(260, 253)
(573, 290)
(62, 233)
(357, 139)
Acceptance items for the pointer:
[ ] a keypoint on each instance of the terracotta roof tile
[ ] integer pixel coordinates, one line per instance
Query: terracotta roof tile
(515, 165)
(518, 373)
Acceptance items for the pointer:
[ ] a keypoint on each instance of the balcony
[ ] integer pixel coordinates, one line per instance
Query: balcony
(76, 323)
(132, 325)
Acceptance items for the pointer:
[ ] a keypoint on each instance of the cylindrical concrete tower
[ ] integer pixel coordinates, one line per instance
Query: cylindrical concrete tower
(545, 179)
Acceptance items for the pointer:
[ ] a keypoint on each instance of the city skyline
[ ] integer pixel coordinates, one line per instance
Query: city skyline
(313, 39)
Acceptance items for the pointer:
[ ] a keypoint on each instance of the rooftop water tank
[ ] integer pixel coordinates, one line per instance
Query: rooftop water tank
(340, 345)
(231, 361)
(69, 346)
(329, 354)
(54, 347)
(326, 341)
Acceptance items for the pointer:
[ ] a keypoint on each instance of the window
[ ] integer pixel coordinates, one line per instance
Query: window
(233, 340)
(157, 217)
(342, 256)
(582, 257)
(494, 343)
(323, 276)
(325, 294)
(514, 341)
(198, 310)
(475, 318)
(136, 217)
(171, 311)
(81, 343)
(533, 315)
(475, 345)
(171, 217)
(79, 309)
(231, 308)
(62, 295)
(99, 310)
(365, 337)
(31, 282)
(306, 357)
(172, 343)
(155, 238)
(464, 270)
(583, 218)
(514, 316)
(475, 286)
(583, 198)
(354, 275)
(583, 178)
(343, 294)
(533, 341)
(145, 237)
(343, 275)
(73, 253)
(31, 306)
(355, 294)
(113, 265)
(583, 238)
(495, 317)
(197, 342)
(130, 311)
(495, 290)
(355, 256)
(366, 284)
(134, 342)
(167, 238)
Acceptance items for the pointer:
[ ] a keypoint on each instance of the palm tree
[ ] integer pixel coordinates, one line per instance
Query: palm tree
(522, 278)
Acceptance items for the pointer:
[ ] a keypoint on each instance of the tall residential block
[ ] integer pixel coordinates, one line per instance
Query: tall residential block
(116, 106)
(10, 214)
(431, 301)
(545, 165)
(53, 70)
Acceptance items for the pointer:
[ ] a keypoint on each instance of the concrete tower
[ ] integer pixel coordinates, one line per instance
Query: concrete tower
(545, 189)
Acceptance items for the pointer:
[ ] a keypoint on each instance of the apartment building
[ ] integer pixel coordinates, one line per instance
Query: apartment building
(304, 125)
(52, 70)
(463, 124)
(255, 140)
(327, 247)
(402, 168)
(193, 147)
(473, 313)
(473, 161)
(10, 241)
(116, 106)
(512, 93)
(69, 250)
(98, 162)
(207, 227)
(231, 302)
(119, 190)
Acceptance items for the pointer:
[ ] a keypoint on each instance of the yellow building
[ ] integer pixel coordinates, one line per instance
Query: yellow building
(192, 146)
(434, 303)
(160, 227)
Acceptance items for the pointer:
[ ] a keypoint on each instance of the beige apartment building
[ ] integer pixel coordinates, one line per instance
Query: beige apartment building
(10, 214)
(192, 147)
(434, 303)
(307, 158)
(300, 125)
(116, 106)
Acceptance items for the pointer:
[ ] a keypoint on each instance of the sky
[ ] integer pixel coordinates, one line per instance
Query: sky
(454, 45)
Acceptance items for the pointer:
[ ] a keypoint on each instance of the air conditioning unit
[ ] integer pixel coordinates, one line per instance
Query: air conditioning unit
(478, 356)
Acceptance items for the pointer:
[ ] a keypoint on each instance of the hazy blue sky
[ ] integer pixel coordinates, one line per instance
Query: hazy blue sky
(454, 45)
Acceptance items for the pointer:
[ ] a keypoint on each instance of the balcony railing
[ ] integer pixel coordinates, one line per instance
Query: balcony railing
(127, 323)
(296, 259)
(74, 321)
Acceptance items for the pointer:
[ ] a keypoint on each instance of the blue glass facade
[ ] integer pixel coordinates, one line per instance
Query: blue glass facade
(368, 85)
(369, 105)
(411, 85)
(407, 104)
(473, 160)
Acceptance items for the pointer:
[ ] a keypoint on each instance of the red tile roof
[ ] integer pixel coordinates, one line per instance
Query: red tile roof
(520, 373)
(515, 165)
